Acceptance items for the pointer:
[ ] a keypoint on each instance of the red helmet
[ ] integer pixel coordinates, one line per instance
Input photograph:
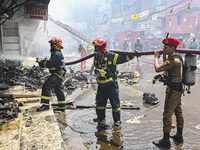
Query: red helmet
(100, 42)
(57, 41)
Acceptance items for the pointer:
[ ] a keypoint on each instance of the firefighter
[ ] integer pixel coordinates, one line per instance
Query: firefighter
(138, 46)
(83, 52)
(57, 69)
(125, 45)
(89, 48)
(105, 67)
(172, 68)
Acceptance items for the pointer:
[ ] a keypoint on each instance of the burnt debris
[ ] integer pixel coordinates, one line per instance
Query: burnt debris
(18, 75)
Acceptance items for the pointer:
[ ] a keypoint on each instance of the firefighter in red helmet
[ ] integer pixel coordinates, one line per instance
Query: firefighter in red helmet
(57, 69)
(105, 67)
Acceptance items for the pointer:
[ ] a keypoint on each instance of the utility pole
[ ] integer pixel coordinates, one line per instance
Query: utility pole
(1, 40)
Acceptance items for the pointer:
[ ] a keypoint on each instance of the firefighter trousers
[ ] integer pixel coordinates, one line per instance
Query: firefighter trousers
(110, 92)
(53, 82)
(172, 106)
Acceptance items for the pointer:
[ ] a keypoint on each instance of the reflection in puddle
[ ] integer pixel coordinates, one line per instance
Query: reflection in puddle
(109, 139)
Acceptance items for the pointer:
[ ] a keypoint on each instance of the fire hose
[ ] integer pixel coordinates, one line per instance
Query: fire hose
(80, 60)
(138, 54)
(188, 51)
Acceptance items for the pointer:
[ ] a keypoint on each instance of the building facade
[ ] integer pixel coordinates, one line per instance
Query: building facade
(184, 21)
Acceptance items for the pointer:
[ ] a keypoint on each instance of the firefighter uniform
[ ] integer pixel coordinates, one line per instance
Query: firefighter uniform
(107, 83)
(57, 69)
(138, 46)
(173, 96)
(89, 48)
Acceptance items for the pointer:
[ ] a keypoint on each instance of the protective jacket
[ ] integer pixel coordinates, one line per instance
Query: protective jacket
(138, 46)
(88, 46)
(55, 64)
(108, 63)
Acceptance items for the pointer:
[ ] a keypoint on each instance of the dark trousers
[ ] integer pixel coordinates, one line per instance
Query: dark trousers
(110, 92)
(53, 82)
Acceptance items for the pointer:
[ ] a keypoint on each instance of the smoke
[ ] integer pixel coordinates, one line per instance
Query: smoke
(78, 14)
(71, 10)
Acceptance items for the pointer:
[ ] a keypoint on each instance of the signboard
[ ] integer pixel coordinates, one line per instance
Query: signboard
(116, 20)
(144, 14)
(135, 17)
(33, 11)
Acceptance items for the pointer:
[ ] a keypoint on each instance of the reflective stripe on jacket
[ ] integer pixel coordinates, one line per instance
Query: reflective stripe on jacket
(55, 64)
(108, 63)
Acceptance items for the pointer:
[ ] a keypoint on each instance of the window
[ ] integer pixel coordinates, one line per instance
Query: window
(135, 34)
(163, 2)
(142, 35)
(179, 20)
(163, 22)
(128, 34)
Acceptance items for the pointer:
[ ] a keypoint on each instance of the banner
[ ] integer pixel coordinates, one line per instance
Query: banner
(144, 14)
(172, 11)
(155, 16)
(135, 17)
(188, 6)
(116, 20)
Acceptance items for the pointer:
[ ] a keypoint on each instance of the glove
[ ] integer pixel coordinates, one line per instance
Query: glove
(38, 59)
(95, 71)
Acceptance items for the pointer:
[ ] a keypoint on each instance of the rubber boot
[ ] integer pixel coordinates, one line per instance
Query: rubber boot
(59, 109)
(164, 142)
(117, 123)
(103, 124)
(43, 107)
(95, 119)
(178, 137)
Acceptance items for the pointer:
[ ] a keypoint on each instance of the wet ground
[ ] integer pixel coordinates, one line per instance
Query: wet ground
(80, 132)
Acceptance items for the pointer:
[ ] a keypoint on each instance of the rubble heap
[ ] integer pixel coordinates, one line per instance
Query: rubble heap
(17, 75)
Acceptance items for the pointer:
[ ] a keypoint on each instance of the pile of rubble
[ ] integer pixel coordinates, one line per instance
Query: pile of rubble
(9, 108)
(71, 79)
(32, 77)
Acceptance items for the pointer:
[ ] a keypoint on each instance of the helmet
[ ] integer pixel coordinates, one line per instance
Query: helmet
(100, 42)
(138, 38)
(57, 41)
(180, 37)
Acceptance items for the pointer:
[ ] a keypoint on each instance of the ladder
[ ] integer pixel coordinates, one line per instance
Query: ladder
(71, 30)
